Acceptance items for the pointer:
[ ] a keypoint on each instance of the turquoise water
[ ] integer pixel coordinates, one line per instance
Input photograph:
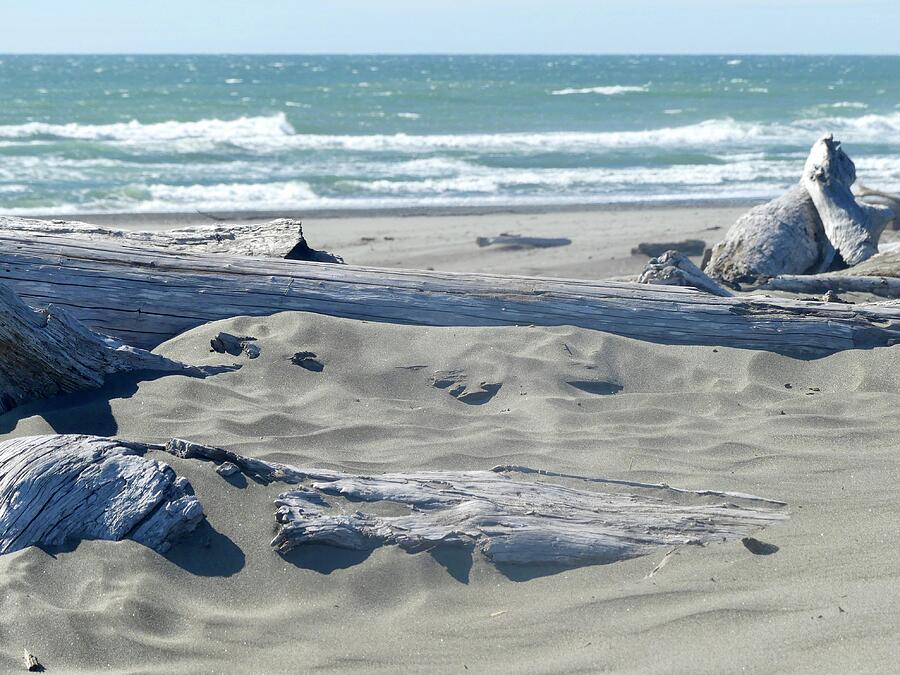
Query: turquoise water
(176, 133)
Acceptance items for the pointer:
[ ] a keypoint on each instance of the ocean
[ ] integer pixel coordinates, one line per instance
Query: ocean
(88, 134)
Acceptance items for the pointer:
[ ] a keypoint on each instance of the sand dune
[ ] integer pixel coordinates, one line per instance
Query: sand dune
(820, 435)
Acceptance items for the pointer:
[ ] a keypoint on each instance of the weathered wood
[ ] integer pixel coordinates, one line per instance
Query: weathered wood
(783, 236)
(879, 275)
(282, 238)
(816, 226)
(885, 287)
(674, 269)
(852, 227)
(50, 352)
(61, 489)
(527, 520)
(892, 201)
(686, 247)
(513, 241)
(145, 296)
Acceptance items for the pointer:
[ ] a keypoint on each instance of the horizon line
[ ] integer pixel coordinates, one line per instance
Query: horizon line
(446, 54)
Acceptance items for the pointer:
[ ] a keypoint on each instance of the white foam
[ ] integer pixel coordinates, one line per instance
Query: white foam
(272, 127)
(610, 90)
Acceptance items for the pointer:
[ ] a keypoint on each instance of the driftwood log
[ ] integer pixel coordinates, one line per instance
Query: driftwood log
(815, 227)
(513, 515)
(516, 241)
(146, 295)
(282, 238)
(654, 249)
(892, 201)
(852, 227)
(50, 352)
(56, 490)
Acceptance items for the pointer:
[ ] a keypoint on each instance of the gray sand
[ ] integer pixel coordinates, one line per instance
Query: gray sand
(695, 417)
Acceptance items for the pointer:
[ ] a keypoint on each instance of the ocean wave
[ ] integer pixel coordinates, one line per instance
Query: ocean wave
(610, 90)
(274, 133)
(216, 130)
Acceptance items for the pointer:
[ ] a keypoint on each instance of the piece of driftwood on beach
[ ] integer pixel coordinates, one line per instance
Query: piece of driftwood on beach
(816, 226)
(513, 515)
(146, 295)
(876, 276)
(515, 241)
(654, 249)
(50, 352)
(281, 238)
(60, 489)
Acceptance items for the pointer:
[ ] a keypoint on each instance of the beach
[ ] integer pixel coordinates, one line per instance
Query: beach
(445, 239)
(820, 435)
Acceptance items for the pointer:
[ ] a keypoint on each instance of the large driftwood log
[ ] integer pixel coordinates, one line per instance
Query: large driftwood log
(56, 490)
(282, 238)
(147, 295)
(50, 352)
(816, 226)
(852, 227)
(783, 236)
(526, 520)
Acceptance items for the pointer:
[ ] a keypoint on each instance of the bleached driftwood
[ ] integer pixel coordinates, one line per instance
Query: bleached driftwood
(879, 275)
(61, 489)
(813, 284)
(852, 227)
(50, 352)
(518, 241)
(654, 249)
(783, 236)
(892, 201)
(526, 520)
(282, 238)
(815, 226)
(146, 295)
(674, 269)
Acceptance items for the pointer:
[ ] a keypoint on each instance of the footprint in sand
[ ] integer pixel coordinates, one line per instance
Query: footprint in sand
(599, 387)
(456, 382)
(308, 360)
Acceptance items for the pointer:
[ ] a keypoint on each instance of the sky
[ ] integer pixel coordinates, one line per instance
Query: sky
(450, 26)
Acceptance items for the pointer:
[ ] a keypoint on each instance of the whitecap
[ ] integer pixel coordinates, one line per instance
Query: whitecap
(610, 90)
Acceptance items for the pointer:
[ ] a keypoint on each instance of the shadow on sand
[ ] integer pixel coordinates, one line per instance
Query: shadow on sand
(89, 412)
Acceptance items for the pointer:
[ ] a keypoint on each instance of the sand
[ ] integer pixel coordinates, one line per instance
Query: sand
(695, 417)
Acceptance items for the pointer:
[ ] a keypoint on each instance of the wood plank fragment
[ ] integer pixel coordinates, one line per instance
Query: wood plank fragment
(60, 489)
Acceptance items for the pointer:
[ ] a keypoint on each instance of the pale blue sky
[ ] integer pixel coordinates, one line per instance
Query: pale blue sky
(450, 26)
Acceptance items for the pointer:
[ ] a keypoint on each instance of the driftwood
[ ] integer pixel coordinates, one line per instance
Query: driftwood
(56, 490)
(784, 236)
(835, 282)
(892, 201)
(526, 520)
(144, 296)
(282, 238)
(815, 227)
(852, 227)
(686, 247)
(50, 352)
(674, 269)
(513, 241)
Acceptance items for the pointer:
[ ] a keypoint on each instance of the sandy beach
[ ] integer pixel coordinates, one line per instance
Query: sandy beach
(820, 435)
